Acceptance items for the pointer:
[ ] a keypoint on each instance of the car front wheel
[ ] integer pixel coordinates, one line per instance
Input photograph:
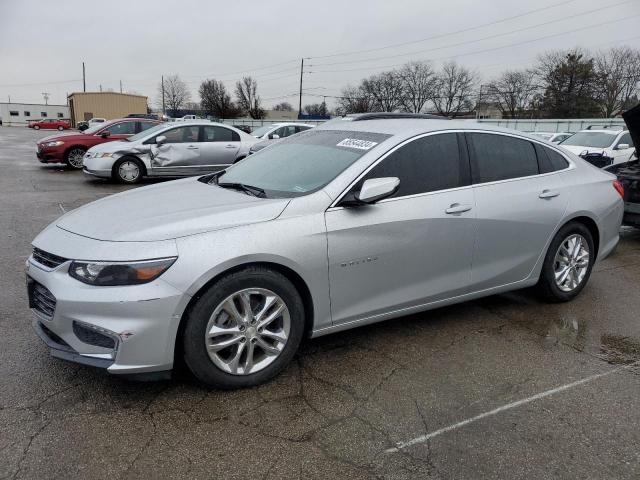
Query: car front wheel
(244, 329)
(61, 128)
(128, 170)
(568, 263)
(74, 158)
(36, 127)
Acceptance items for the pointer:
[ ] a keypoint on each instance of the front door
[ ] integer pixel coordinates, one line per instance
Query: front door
(413, 248)
(179, 154)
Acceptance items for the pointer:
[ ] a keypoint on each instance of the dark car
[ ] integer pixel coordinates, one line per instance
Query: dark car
(629, 173)
(70, 148)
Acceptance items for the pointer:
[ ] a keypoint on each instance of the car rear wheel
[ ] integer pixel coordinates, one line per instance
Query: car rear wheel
(74, 157)
(128, 170)
(244, 329)
(568, 263)
(61, 128)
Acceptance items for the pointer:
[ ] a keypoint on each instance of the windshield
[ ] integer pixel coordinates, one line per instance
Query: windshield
(591, 139)
(302, 163)
(145, 133)
(258, 132)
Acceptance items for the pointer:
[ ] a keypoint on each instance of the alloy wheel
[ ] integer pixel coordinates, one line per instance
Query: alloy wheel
(76, 158)
(247, 331)
(571, 262)
(129, 171)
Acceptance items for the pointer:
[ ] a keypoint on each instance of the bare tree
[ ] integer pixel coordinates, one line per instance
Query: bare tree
(418, 82)
(318, 109)
(512, 91)
(617, 78)
(453, 89)
(176, 94)
(216, 101)
(355, 100)
(248, 98)
(385, 89)
(283, 107)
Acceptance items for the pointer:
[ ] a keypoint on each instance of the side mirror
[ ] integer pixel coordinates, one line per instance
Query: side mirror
(274, 136)
(105, 134)
(376, 189)
(160, 139)
(622, 146)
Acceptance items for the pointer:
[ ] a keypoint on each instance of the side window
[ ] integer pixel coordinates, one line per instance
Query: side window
(219, 134)
(424, 165)
(550, 160)
(123, 128)
(145, 125)
(301, 128)
(626, 138)
(182, 134)
(499, 157)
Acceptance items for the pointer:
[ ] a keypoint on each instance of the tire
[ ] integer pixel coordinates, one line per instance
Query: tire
(36, 127)
(74, 157)
(577, 277)
(124, 170)
(61, 128)
(207, 366)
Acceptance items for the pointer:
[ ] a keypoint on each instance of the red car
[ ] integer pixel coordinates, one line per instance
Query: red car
(51, 124)
(70, 148)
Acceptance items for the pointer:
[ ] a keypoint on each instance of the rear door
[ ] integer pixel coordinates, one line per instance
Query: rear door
(410, 249)
(518, 206)
(219, 147)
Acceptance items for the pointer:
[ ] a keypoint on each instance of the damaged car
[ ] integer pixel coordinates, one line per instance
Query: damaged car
(169, 150)
(629, 173)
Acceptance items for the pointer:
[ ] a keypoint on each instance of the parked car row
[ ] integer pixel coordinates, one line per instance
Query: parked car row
(347, 224)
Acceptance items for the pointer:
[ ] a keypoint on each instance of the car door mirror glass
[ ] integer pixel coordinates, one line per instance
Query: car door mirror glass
(105, 134)
(375, 189)
(622, 146)
(160, 139)
(274, 136)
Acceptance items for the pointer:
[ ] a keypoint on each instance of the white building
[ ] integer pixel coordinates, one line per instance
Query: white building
(21, 114)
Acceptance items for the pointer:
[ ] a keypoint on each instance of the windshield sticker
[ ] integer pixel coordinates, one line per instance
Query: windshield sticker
(355, 143)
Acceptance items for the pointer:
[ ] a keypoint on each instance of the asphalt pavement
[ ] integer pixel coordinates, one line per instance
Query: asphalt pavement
(504, 387)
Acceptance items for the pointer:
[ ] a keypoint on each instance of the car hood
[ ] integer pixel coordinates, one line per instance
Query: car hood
(169, 210)
(632, 119)
(73, 136)
(577, 149)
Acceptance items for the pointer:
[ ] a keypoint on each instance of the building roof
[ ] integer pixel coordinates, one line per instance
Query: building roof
(106, 93)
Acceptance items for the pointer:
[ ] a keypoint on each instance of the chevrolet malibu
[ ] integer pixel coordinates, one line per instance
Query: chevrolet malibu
(330, 229)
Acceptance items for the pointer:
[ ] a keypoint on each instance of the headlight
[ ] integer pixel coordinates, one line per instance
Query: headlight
(57, 143)
(116, 273)
(104, 154)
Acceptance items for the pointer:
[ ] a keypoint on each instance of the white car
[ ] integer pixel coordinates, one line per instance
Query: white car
(174, 150)
(279, 130)
(95, 121)
(552, 136)
(602, 148)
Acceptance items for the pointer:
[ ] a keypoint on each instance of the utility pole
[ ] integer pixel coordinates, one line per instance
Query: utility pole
(100, 88)
(163, 110)
(120, 86)
(45, 95)
(300, 102)
(84, 79)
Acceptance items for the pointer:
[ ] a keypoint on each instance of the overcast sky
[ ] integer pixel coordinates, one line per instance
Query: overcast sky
(44, 42)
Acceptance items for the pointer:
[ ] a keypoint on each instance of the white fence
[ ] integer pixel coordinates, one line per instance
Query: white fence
(554, 125)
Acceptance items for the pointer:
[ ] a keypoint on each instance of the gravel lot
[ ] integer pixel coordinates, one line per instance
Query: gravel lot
(504, 387)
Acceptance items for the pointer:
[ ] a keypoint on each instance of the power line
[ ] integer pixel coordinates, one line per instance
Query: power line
(433, 37)
(42, 83)
(486, 49)
(466, 42)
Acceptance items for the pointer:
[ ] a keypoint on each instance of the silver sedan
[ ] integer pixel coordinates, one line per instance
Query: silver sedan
(175, 150)
(327, 230)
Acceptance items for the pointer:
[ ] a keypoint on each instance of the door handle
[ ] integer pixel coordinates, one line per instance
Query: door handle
(230, 146)
(191, 147)
(548, 194)
(457, 208)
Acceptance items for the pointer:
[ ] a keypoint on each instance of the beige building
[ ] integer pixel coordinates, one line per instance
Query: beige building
(109, 105)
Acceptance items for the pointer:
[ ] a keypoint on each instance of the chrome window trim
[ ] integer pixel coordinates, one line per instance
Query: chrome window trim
(334, 205)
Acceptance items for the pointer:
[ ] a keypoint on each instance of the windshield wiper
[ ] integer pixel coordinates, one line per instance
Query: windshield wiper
(250, 189)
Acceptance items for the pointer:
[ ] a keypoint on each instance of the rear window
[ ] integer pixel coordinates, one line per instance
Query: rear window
(500, 157)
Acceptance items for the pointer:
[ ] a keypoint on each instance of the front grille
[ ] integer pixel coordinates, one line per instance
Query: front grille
(92, 337)
(47, 259)
(41, 299)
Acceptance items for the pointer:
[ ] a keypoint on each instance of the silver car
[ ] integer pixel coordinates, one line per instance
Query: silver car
(327, 230)
(176, 149)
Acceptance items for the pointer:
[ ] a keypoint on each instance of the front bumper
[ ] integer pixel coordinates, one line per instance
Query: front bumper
(50, 155)
(133, 326)
(97, 173)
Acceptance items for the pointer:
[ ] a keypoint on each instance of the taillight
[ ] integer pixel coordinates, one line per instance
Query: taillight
(619, 187)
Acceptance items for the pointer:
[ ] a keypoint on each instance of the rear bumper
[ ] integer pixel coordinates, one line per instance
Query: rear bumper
(631, 214)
